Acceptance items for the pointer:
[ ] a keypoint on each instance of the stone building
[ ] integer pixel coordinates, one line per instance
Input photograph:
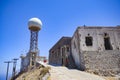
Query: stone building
(93, 48)
(60, 53)
(97, 49)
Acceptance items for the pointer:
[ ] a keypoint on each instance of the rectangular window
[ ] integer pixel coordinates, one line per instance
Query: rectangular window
(32, 62)
(52, 51)
(89, 41)
(68, 49)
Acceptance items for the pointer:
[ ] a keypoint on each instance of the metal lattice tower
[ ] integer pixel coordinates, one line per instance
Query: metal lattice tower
(34, 27)
(34, 41)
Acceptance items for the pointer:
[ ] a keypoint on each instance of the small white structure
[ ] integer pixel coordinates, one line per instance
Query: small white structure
(34, 23)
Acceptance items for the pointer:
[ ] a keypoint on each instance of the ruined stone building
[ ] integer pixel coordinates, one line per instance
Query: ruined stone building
(96, 49)
(60, 53)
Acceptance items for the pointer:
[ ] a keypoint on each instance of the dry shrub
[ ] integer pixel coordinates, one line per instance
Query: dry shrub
(44, 70)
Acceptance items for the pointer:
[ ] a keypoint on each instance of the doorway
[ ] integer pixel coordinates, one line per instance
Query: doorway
(107, 43)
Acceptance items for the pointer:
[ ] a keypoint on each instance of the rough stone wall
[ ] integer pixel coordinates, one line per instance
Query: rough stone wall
(75, 50)
(106, 63)
(58, 53)
(95, 58)
(97, 33)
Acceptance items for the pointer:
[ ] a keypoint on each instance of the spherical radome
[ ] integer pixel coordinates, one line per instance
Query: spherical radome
(34, 24)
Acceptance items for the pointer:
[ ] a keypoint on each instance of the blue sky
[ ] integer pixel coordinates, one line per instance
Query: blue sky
(59, 18)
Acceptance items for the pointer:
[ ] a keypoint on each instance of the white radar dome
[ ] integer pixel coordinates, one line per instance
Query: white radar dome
(34, 24)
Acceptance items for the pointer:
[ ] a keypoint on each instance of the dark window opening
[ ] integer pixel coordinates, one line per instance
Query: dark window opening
(32, 62)
(68, 49)
(105, 34)
(89, 41)
(107, 44)
(88, 34)
(118, 48)
(52, 51)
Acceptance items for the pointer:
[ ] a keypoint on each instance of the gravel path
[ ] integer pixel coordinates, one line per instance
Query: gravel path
(63, 73)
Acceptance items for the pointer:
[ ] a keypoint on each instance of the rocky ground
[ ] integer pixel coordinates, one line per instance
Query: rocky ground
(60, 73)
(41, 73)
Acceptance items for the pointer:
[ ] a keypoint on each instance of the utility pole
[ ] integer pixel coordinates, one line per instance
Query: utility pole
(7, 68)
(14, 66)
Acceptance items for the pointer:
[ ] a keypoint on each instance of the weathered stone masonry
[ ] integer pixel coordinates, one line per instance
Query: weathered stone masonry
(96, 49)
(59, 53)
